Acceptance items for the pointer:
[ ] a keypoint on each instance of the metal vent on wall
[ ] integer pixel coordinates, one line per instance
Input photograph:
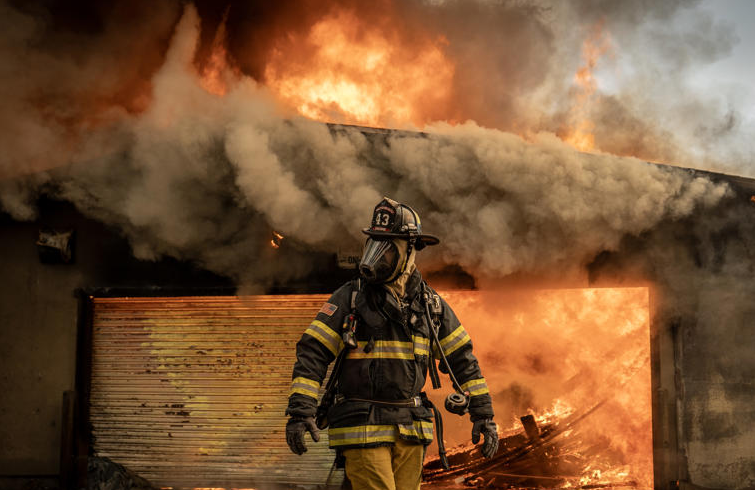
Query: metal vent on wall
(191, 391)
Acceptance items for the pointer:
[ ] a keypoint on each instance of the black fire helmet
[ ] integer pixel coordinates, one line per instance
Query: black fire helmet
(392, 219)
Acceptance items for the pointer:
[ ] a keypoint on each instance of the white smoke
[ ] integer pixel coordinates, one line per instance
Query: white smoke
(504, 204)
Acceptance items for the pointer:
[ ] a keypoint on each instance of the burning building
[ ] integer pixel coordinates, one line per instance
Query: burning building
(181, 382)
(201, 224)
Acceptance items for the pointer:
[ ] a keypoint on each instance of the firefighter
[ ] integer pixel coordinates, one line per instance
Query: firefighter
(380, 422)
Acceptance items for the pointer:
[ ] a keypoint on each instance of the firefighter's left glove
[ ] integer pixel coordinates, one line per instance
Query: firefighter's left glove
(295, 429)
(488, 429)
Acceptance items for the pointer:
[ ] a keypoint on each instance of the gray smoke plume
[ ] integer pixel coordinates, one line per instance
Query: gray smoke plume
(205, 178)
(70, 70)
(657, 112)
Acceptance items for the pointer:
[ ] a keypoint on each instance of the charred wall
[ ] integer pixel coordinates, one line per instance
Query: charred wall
(703, 267)
(38, 323)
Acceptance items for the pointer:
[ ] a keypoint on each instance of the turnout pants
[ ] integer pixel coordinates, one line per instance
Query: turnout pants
(397, 467)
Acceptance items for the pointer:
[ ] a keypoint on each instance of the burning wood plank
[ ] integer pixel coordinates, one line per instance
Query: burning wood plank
(550, 456)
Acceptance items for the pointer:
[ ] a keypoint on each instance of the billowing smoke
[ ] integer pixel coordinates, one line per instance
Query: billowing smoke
(69, 69)
(106, 107)
(504, 204)
(205, 177)
(650, 103)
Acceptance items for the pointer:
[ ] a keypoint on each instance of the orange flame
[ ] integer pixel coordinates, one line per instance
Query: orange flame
(217, 74)
(580, 133)
(276, 240)
(347, 70)
(557, 353)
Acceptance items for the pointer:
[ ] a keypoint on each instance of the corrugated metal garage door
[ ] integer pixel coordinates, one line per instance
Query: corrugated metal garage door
(190, 391)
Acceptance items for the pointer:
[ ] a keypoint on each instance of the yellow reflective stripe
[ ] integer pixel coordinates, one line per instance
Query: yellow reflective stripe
(456, 339)
(454, 335)
(419, 429)
(394, 343)
(383, 349)
(326, 335)
(361, 434)
(380, 355)
(307, 381)
(417, 339)
(305, 386)
(302, 391)
(421, 345)
(476, 387)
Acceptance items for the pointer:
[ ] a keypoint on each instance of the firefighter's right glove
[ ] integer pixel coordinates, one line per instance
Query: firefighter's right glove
(488, 429)
(295, 429)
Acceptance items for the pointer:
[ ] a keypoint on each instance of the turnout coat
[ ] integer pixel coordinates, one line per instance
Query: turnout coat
(394, 369)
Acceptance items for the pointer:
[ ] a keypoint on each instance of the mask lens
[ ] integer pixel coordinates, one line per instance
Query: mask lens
(379, 260)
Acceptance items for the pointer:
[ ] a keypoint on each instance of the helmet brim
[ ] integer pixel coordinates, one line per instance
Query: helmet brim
(422, 240)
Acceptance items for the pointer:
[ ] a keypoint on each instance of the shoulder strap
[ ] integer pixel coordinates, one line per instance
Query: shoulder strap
(432, 319)
(434, 311)
(354, 295)
(339, 359)
(433, 301)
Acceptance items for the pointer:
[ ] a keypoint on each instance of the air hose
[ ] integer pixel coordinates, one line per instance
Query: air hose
(455, 402)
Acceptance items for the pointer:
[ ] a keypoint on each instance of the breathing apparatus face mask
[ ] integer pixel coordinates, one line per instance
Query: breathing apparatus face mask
(381, 261)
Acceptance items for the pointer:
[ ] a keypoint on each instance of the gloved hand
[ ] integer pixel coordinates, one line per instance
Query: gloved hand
(295, 428)
(487, 428)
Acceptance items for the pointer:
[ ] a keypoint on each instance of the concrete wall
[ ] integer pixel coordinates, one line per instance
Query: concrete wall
(38, 325)
(715, 348)
(704, 271)
(717, 362)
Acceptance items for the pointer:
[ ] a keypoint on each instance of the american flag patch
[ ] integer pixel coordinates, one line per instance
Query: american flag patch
(328, 309)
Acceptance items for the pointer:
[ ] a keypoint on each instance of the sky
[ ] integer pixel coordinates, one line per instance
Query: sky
(737, 69)
(690, 74)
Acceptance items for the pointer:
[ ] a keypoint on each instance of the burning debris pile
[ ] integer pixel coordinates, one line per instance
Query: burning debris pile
(549, 456)
(576, 362)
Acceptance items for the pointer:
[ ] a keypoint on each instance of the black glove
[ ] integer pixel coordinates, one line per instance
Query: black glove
(295, 428)
(487, 428)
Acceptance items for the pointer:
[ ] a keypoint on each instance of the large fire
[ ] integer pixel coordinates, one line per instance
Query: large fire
(579, 355)
(347, 70)
(574, 362)
(556, 355)
(579, 132)
(217, 73)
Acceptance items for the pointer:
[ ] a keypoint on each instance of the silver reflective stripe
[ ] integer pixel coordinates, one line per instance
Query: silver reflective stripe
(456, 339)
(476, 387)
(362, 434)
(421, 345)
(326, 335)
(304, 386)
(384, 349)
(393, 349)
(418, 430)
